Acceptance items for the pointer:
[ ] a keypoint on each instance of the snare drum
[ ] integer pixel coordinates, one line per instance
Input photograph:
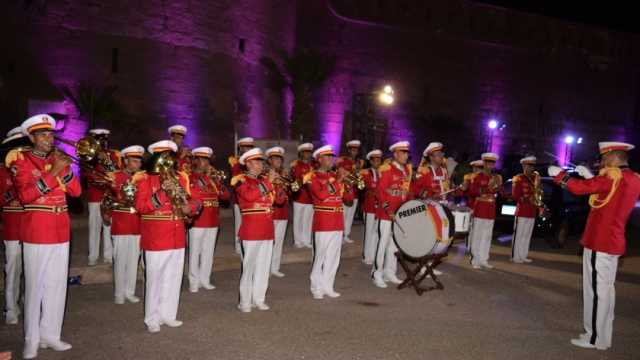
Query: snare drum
(423, 228)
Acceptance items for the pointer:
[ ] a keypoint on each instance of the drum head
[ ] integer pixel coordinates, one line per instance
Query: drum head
(413, 233)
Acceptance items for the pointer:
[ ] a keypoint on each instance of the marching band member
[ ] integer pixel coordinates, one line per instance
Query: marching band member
(484, 188)
(108, 161)
(275, 156)
(394, 188)
(125, 227)
(524, 192)
(352, 164)
(302, 202)
(177, 133)
(43, 178)
(204, 229)
(163, 202)
(329, 194)
(256, 197)
(12, 212)
(614, 193)
(371, 177)
(432, 177)
(245, 144)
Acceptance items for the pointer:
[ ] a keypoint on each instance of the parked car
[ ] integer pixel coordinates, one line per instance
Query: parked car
(566, 215)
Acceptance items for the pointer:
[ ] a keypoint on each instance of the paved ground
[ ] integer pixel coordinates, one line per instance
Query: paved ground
(512, 312)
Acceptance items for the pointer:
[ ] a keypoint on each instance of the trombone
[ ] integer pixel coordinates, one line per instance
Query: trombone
(87, 149)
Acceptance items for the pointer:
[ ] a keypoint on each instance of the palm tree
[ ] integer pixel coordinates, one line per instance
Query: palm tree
(302, 72)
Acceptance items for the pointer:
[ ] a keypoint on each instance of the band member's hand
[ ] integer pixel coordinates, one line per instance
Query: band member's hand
(59, 164)
(554, 170)
(186, 209)
(168, 185)
(272, 175)
(584, 172)
(342, 173)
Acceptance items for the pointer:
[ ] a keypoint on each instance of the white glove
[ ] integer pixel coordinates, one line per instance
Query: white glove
(584, 172)
(554, 170)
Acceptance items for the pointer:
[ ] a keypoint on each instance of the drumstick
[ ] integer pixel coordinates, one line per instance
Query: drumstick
(558, 158)
(393, 218)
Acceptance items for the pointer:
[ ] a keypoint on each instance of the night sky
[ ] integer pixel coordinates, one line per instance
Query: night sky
(620, 16)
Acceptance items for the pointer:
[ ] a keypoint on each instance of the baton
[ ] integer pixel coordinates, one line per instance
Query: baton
(393, 218)
(558, 158)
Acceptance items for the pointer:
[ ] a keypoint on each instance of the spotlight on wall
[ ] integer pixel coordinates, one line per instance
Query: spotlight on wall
(569, 139)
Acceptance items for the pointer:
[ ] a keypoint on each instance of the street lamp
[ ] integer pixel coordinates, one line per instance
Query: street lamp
(386, 95)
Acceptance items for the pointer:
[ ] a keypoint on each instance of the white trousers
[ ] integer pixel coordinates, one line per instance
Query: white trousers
(96, 227)
(162, 289)
(237, 221)
(599, 296)
(126, 255)
(45, 281)
(386, 262)
(370, 238)
(326, 259)
(13, 272)
(480, 238)
(202, 244)
(523, 228)
(254, 281)
(280, 231)
(302, 222)
(349, 213)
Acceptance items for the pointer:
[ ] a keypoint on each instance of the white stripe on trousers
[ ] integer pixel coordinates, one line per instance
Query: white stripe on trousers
(349, 213)
(96, 227)
(480, 238)
(45, 281)
(202, 245)
(326, 260)
(370, 237)
(164, 271)
(13, 273)
(280, 231)
(126, 255)
(599, 296)
(523, 229)
(237, 221)
(386, 263)
(302, 221)
(254, 281)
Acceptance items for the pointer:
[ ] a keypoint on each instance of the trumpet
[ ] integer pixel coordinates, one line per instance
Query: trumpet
(354, 179)
(87, 149)
(283, 180)
(217, 175)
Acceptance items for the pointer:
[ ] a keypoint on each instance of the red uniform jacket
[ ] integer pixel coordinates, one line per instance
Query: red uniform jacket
(430, 182)
(256, 197)
(43, 196)
(485, 195)
(160, 229)
(124, 220)
(184, 161)
(95, 192)
(349, 164)
(328, 196)
(610, 210)
(393, 188)
(209, 193)
(12, 209)
(235, 169)
(299, 169)
(370, 177)
(281, 210)
(523, 193)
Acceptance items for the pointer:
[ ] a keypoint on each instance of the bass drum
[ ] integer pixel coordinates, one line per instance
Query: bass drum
(423, 228)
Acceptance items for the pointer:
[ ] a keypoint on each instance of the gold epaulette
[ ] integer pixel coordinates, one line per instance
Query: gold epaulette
(185, 176)
(237, 179)
(385, 167)
(364, 172)
(422, 170)
(308, 176)
(613, 173)
(516, 178)
(294, 163)
(138, 176)
(470, 176)
(15, 154)
(232, 160)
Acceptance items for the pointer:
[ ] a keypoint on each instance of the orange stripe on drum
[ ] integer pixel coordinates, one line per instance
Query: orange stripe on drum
(436, 220)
